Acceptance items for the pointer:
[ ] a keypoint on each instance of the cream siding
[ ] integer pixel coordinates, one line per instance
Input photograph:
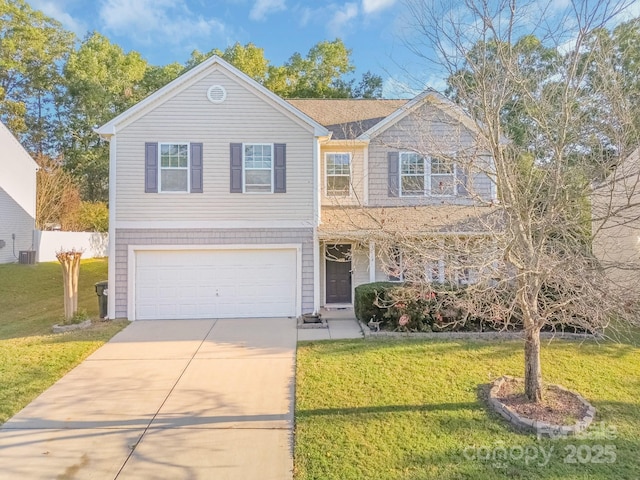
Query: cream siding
(616, 241)
(244, 117)
(357, 192)
(427, 129)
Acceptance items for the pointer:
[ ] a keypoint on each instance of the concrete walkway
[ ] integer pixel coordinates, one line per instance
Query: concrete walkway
(342, 324)
(187, 399)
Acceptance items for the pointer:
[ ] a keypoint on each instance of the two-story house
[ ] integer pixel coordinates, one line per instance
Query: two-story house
(229, 201)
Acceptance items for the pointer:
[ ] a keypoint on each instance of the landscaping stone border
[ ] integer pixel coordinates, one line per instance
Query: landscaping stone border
(541, 428)
(368, 333)
(73, 326)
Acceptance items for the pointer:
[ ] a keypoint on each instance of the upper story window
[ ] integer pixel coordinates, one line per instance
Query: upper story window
(338, 174)
(426, 175)
(258, 168)
(174, 167)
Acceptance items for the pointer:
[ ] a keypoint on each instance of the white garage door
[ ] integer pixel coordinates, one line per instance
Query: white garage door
(215, 283)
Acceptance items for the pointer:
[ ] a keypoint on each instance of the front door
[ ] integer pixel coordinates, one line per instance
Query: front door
(338, 273)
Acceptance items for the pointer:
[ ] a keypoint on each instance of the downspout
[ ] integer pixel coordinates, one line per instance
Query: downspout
(111, 276)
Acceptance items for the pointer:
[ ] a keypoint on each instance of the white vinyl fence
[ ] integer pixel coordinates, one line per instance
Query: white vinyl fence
(47, 243)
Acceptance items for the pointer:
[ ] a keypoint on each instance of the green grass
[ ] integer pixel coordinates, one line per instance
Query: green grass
(31, 302)
(414, 410)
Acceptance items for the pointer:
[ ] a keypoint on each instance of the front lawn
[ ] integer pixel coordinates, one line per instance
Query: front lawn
(31, 301)
(411, 410)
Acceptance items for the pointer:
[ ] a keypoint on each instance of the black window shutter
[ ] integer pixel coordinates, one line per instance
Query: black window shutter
(280, 168)
(196, 168)
(236, 168)
(150, 167)
(394, 173)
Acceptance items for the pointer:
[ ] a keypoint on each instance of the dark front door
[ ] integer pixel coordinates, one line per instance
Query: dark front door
(338, 273)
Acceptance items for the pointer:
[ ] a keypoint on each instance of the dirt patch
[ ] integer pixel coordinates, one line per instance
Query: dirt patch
(558, 406)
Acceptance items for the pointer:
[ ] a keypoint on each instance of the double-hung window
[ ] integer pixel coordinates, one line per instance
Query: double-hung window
(338, 174)
(421, 176)
(174, 167)
(258, 168)
(442, 177)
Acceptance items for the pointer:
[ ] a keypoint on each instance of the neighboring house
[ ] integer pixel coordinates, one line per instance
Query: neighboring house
(228, 201)
(17, 197)
(616, 224)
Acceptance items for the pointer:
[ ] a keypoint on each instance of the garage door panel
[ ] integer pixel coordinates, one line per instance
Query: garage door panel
(216, 283)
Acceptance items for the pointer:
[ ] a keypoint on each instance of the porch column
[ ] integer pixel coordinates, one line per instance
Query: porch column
(372, 262)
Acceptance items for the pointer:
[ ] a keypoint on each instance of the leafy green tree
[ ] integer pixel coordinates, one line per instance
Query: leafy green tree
(101, 82)
(32, 49)
(247, 58)
(319, 74)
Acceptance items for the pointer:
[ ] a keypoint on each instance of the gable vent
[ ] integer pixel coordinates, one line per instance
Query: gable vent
(216, 94)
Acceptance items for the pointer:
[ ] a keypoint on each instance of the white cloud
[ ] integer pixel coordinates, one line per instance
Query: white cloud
(340, 22)
(56, 10)
(372, 6)
(263, 8)
(157, 21)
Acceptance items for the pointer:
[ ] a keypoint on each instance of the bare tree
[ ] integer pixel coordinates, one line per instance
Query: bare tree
(57, 197)
(522, 74)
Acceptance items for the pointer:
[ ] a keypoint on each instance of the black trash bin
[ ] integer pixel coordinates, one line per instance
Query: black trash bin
(102, 291)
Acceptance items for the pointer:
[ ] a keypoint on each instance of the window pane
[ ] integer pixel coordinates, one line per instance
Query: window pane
(257, 181)
(411, 163)
(164, 161)
(441, 166)
(413, 185)
(173, 181)
(338, 185)
(442, 185)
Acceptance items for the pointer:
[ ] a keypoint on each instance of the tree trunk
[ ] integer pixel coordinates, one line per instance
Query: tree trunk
(532, 370)
(70, 261)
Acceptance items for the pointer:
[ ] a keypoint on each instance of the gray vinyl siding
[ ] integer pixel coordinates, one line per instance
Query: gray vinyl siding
(426, 130)
(245, 116)
(357, 180)
(126, 237)
(14, 220)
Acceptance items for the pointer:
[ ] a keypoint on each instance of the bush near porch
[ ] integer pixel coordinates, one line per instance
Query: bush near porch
(403, 307)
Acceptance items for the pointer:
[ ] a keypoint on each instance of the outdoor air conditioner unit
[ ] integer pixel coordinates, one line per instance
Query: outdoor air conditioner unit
(27, 257)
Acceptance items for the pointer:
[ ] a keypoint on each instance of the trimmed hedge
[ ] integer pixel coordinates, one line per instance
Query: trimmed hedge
(366, 301)
(406, 307)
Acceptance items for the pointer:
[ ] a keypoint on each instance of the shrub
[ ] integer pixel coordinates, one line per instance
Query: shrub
(91, 217)
(425, 308)
(370, 299)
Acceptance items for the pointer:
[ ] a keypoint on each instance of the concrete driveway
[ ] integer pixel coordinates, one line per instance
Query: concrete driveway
(183, 399)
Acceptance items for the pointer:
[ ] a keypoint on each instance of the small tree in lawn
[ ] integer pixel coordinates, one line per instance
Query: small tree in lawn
(70, 261)
(533, 88)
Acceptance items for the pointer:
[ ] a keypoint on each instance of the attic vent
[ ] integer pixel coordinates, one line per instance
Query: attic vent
(216, 94)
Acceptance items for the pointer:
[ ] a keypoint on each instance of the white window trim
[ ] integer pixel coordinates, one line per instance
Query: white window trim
(160, 168)
(326, 175)
(427, 178)
(400, 264)
(244, 169)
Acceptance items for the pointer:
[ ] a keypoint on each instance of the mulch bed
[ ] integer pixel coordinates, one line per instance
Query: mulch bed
(558, 407)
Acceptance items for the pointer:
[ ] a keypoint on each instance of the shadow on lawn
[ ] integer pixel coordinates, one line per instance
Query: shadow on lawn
(433, 407)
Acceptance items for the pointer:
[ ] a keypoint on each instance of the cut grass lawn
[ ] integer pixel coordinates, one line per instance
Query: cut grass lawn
(31, 302)
(403, 409)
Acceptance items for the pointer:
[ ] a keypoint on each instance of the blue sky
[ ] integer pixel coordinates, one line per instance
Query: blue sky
(165, 31)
